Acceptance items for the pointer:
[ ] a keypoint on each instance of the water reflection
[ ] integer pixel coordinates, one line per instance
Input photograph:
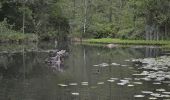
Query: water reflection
(25, 76)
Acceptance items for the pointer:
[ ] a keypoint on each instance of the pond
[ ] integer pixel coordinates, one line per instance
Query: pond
(87, 73)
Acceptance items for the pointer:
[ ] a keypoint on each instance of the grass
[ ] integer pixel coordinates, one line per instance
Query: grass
(18, 37)
(128, 42)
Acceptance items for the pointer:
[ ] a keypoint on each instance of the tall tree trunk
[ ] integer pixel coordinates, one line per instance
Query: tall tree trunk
(74, 12)
(165, 36)
(110, 11)
(85, 18)
(23, 20)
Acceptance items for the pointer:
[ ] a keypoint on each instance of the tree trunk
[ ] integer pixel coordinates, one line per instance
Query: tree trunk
(23, 20)
(85, 18)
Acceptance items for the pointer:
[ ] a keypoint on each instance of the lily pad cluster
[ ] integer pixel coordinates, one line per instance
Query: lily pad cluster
(156, 69)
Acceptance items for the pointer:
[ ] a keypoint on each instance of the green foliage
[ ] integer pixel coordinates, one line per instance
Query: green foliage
(128, 42)
(42, 17)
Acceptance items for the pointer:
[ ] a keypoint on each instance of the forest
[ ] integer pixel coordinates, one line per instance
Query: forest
(62, 19)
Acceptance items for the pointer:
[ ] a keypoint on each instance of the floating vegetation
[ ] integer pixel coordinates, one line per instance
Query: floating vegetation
(156, 94)
(100, 83)
(103, 65)
(152, 98)
(76, 93)
(138, 83)
(139, 96)
(63, 85)
(114, 78)
(131, 85)
(124, 65)
(147, 92)
(166, 92)
(160, 90)
(156, 83)
(111, 81)
(84, 83)
(73, 84)
(115, 64)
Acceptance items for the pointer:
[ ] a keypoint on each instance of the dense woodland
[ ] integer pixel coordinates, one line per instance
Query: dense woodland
(126, 19)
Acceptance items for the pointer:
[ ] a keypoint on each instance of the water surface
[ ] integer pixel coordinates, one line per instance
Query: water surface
(25, 76)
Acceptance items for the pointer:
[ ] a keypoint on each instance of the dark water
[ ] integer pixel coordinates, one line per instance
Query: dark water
(25, 76)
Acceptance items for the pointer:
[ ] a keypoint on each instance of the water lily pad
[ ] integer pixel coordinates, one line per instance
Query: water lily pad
(73, 84)
(166, 92)
(139, 96)
(111, 81)
(121, 84)
(115, 64)
(100, 83)
(156, 83)
(138, 83)
(152, 98)
(63, 85)
(131, 85)
(147, 92)
(114, 78)
(160, 90)
(75, 93)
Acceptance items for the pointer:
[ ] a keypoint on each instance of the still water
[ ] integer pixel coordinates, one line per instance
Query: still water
(25, 76)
